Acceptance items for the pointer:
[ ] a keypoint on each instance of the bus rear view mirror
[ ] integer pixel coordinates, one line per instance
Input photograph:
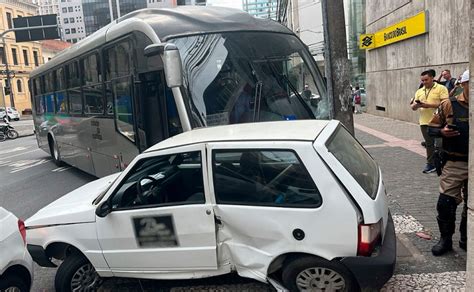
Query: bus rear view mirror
(171, 62)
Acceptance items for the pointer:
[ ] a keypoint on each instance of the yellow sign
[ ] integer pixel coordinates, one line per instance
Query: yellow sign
(403, 30)
(367, 41)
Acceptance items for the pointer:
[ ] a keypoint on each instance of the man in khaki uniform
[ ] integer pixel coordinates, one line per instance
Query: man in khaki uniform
(426, 100)
(451, 122)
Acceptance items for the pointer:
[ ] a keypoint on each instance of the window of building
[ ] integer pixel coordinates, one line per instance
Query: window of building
(180, 181)
(67, 31)
(73, 30)
(71, 20)
(1, 56)
(15, 57)
(64, 10)
(19, 86)
(74, 41)
(274, 178)
(66, 20)
(9, 20)
(36, 58)
(70, 9)
(25, 57)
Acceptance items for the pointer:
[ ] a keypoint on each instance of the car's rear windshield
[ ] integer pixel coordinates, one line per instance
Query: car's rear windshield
(355, 159)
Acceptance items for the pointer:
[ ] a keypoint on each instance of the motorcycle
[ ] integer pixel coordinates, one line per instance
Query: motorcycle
(8, 131)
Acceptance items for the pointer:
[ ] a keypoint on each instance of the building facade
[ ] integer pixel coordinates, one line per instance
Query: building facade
(71, 19)
(48, 7)
(22, 57)
(393, 70)
(261, 8)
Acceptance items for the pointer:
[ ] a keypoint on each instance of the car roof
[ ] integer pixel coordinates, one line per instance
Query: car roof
(302, 130)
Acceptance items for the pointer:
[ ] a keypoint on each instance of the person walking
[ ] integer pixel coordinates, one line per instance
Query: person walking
(357, 100)
(426, 100)
(451, 122)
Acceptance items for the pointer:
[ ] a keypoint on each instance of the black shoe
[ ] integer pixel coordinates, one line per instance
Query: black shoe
(463, 233)
(444, 245)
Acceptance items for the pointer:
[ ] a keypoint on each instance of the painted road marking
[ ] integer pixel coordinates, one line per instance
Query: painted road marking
(19, 154)
(26, 164)
(392, 141)
(13, 150)
(61, 169)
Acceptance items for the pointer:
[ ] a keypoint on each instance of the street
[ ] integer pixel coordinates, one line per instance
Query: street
(32, 180)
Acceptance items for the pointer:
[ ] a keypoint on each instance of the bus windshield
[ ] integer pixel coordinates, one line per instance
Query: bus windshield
(243, 77)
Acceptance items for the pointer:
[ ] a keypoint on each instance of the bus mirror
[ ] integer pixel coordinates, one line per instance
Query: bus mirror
(171, 62)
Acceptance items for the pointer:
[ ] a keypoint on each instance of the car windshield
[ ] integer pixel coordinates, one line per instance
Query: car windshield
(249, 77)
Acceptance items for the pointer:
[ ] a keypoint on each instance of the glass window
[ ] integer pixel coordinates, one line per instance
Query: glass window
(91, 69)
(73, 30)
(109, 99)
(67, 31)
(39, 104)
(250, 77)
(37, 86)
(61, 102)
(64, 11)
(15, 57)
(19, 86)
(263, 177)
(117, 60)
(124, 109)
(163, 180)
(71, 20)
(93, 100)
(355, 160)
(36, 58)
(9, 20)
(60, 76)
(25, 57)
(66, 20)
(75, 101)
(50, 104)
(73, 75)
(70, 9)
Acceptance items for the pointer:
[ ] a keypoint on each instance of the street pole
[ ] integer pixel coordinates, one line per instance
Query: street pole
(7, 73)
(470, 202)
(337, 66)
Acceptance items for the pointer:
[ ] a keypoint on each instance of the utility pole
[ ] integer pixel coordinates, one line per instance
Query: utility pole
(337, 66)
(8, 74)
(470, 201)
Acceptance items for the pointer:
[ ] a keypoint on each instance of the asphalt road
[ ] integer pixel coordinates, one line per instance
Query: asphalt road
(30, 181)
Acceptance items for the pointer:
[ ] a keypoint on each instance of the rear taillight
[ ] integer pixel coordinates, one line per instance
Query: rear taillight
(369, 236)
(22, 229)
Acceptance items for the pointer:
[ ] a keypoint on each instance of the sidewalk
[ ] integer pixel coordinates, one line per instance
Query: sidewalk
(412, 200)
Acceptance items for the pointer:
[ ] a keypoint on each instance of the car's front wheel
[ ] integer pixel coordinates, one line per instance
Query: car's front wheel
(76, 273)
(315, 274)
(13, 283)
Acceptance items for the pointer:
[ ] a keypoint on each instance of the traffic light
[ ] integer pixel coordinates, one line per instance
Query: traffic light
(7, 90)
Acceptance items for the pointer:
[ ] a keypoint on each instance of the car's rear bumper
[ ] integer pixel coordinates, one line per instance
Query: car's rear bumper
(373, 272)
(39, 256)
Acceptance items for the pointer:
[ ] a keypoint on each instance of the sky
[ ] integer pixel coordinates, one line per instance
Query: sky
(226, 3)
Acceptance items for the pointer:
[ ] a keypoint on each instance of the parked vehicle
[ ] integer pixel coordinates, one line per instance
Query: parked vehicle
(16, 265)
(298, 204)
(8, 131)
(11, 113)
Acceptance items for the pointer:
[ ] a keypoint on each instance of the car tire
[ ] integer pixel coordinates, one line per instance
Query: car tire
(9, 119)
(312, 273)
(12, 134)
(55, 154)
(76, 273)
(10, 282)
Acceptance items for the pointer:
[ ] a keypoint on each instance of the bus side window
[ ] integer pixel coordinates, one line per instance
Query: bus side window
(124, 108)
(39, 105)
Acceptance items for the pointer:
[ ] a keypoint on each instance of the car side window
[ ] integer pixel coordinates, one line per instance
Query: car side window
(263, 177)
(162, 180)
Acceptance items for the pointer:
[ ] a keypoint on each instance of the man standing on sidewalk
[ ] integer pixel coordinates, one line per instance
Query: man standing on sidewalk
(427, 99)
(451, 122)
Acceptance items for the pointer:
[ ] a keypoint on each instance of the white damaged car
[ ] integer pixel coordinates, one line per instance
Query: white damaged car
(298, 204)
(16, 266)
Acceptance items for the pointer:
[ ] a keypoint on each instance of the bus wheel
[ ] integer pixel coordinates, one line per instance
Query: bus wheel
(54, 149)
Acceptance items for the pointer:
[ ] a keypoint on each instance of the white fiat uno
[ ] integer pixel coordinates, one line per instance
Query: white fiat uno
(297, 204)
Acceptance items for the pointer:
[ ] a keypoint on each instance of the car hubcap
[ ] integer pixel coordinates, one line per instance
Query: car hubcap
(13, 289)
(85, 279)
(320, 279)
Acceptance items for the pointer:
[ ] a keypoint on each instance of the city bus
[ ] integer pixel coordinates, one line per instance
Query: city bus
(155, 73)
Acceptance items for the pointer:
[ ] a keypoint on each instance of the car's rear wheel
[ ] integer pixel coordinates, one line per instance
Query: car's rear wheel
(54, 150)
(76, 273)
(315, 274)
(13, 283)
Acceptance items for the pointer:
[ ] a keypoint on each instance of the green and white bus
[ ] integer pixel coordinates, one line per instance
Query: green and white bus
(154, 73)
